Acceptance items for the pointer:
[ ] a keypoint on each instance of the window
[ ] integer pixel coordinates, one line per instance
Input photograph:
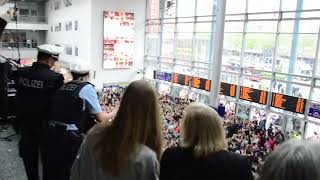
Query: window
(76, 51)
(34, 12)
(68, 50)
(57, 28)
(76, 25)
(69, 26)
(57, 4)
(24, 12)
(67, 3)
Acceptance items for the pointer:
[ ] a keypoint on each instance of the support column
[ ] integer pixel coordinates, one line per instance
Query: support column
(217, 55)
(294, 46)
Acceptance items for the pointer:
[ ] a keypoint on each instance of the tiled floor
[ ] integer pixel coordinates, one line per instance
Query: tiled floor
(11, 166)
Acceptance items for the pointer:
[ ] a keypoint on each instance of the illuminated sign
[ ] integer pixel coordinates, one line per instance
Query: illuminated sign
(200, 83)
(288, 103)
(163, 76)
(181, 79)
(314, 110)
(228, 89)
(253, 95)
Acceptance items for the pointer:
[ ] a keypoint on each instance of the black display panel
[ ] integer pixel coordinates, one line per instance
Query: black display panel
(253, 95)
(288, 103)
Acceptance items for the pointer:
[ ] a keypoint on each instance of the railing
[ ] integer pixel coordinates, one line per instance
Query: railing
(31, 19)
(20, 44)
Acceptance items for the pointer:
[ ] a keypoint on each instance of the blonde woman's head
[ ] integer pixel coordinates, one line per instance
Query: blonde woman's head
(202, 130)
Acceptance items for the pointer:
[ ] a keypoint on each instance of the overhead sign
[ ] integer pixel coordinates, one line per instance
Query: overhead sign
(288, 103)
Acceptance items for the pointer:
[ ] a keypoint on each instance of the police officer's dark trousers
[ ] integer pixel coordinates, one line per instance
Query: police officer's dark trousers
(30, 148)
(62, 150)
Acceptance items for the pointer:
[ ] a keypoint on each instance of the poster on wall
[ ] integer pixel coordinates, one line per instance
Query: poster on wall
(118, 40)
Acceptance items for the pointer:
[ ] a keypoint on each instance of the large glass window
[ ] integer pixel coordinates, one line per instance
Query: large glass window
(273, 46)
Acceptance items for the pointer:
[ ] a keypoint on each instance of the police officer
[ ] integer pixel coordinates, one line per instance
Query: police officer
(35, 85)
(72, 106)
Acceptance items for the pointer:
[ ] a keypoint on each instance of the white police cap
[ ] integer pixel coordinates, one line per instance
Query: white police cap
(50, 49)
(76, 64)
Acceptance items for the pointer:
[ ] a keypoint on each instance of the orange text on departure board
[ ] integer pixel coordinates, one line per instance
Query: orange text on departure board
(245, 93)
(233, 90)
(278, 101)
(196, 82)
(300, 106)
(262, 99)
(207, 85)
(175, 78)
(186, 80)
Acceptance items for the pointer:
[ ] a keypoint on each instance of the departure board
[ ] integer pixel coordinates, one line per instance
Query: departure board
(164, 76)
(181, 79)
(228, 89)
(288, 103)
(253, 95)
(200, 83)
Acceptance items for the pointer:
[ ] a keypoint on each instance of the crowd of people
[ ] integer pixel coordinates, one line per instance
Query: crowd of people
(248, 138)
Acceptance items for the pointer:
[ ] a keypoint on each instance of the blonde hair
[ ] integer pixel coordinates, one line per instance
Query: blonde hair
(202, 130)
(136, 122)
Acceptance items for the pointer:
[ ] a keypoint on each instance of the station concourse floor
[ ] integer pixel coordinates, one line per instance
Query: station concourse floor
(11, 166)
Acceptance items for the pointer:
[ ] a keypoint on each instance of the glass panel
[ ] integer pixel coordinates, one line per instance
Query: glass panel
(168, 28)
(263, 6)
(309, 26)
(288, 5)
(153, 9)
(152, 66)
(268, 16)
(232, 49)
(256, 83)
(186, 8)
(292, 90)
(167, 48)
(229, 78)
(152, 46)
(202, 47)
(316, 95)
(182, 70)
(184, 46)
(262, 26)
(311, 4)
(312, 131)
(235, 6)
(203, 73)
(185, 27)
(204, 27)
(169, 8)
(295, 128)
(204, 7)
(283, 53)
(259, 50)
(233, 27)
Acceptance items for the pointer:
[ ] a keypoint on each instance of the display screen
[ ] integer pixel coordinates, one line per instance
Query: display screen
(314, 110)
(288, 103)
(228, 89)
(118, 40)
(200, 83)
(163, 76)
(253, 95)
(181, 79)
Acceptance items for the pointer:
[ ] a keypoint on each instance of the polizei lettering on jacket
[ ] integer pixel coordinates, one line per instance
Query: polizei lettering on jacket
(31, 83)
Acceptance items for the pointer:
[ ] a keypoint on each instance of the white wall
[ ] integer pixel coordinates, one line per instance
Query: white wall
(80, 11)
(116, 75)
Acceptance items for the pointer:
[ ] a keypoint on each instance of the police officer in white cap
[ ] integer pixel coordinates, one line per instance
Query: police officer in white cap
(72, 106)
(35, 86)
